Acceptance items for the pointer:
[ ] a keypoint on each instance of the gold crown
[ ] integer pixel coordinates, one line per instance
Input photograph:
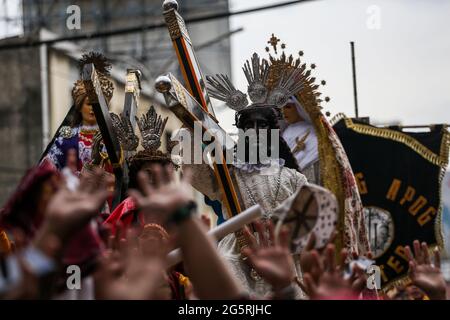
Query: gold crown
(103, 67)
(308, 95)
(270, 82)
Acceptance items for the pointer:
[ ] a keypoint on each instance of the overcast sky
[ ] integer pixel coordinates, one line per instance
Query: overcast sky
(403, 68)
(10, 9)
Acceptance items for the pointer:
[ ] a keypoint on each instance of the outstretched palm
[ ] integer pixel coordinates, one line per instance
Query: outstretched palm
(68, 210)
(326, 279)
(423, 273)
(427, 277)
(271, 260)
(126, 273)
(161, 197)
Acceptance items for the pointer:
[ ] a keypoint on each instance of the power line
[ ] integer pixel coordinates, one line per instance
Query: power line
(117, 32)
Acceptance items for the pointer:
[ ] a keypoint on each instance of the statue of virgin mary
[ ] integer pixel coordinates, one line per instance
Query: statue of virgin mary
(301, 137)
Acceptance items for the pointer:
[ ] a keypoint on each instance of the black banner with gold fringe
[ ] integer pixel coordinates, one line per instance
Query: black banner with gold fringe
(399, 177)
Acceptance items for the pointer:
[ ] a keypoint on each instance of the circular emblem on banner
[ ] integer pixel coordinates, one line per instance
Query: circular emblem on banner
(380, 229)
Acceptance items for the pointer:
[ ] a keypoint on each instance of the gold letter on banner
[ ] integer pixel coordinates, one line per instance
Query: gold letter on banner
(393, 190)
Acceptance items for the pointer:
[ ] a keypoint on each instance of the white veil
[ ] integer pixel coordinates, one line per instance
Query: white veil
(298, 130)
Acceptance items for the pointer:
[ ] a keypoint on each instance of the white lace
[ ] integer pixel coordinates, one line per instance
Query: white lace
(89, 127)
(268, 167)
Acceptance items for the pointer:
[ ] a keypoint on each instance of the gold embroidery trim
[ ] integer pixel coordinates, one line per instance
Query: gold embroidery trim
(440, 160)
(330, 173)
(445, 145)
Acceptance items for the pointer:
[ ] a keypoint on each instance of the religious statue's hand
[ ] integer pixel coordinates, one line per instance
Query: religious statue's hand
(162, 197)
(423, 273)
(271, 258)
(96, 146)
(124, 272)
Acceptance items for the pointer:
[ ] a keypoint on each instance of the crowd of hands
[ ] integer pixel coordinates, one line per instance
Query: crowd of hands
(125, 270)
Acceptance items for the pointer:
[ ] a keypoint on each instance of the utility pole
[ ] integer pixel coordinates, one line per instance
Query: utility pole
(355, 93)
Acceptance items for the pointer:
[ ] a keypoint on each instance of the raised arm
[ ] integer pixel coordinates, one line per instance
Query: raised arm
(211, 278)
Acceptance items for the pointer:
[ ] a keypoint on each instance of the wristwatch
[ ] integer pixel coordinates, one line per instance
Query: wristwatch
(183, 212)
(287, 293)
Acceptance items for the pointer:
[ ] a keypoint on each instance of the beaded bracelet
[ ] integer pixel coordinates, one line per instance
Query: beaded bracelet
(149, 227)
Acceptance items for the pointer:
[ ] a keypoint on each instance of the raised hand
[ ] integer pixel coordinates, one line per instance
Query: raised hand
(162, 196)
(271, 258)
(69, 210)
(326, 279)
(423, 273)
(124, 272)
(307, 259)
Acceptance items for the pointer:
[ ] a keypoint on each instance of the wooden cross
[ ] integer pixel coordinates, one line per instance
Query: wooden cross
(101, 111)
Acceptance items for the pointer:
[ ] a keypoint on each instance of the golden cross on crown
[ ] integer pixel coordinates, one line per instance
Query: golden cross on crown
(273, 41)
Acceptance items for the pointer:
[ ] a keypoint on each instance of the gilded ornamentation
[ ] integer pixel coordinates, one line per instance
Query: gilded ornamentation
(176, 25)
(66, 132)
(179, 91)
(333, 164)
